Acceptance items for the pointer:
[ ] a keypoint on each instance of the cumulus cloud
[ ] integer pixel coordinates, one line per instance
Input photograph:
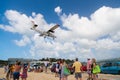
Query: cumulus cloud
(97, 36)
(58, 10)
(103, 22)
(96, 26)
(19, 23)
(23, 42)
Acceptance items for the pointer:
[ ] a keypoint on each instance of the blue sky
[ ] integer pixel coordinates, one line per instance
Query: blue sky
(91, 31)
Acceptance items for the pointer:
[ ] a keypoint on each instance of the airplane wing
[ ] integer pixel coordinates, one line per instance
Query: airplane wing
(53, 28)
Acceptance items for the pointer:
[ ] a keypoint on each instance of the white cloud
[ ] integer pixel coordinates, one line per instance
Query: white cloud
(116, 36)
(103, 21)
(106, 20)
(23, 42)
(18, 23)
(97, 36)
(108, 44)
(58, 10)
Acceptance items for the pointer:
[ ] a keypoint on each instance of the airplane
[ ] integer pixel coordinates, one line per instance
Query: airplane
(45, 34)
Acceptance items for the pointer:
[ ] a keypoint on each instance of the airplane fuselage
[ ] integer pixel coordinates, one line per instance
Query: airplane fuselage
(45, 34)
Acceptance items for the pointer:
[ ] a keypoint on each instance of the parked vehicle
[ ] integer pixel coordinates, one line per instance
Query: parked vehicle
(35, 68)
(111, 68)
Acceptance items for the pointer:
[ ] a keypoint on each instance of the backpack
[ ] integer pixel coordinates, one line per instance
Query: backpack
(96, 69)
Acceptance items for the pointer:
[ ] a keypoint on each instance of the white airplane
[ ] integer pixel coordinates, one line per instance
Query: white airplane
(45, 34)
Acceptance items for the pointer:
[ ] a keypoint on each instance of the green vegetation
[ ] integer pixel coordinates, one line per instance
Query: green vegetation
(3, 62)
(55, 60)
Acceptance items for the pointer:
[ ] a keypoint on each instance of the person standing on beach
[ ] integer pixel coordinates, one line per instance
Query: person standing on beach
(60, 68)
(24, 71)
(57, 65)
(46, 66)
(89, 68)
(12, 70)
(63, 66)
(5, 68)
(16, 72)
(8, 72)
(93, 66)
(77, 65)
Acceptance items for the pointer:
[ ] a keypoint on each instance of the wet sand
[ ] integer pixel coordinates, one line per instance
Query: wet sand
(51, 76)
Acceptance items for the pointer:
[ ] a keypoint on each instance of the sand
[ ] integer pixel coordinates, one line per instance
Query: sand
(51, 76)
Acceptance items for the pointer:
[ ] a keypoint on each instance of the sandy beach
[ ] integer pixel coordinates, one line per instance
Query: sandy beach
(51, 76)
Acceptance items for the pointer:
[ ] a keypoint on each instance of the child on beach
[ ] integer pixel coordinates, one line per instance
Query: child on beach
(24, 71)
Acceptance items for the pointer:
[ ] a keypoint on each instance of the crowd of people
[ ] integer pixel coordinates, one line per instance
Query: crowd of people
(62, 71)
(19, 70)
(13, 71)
(92, 69)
